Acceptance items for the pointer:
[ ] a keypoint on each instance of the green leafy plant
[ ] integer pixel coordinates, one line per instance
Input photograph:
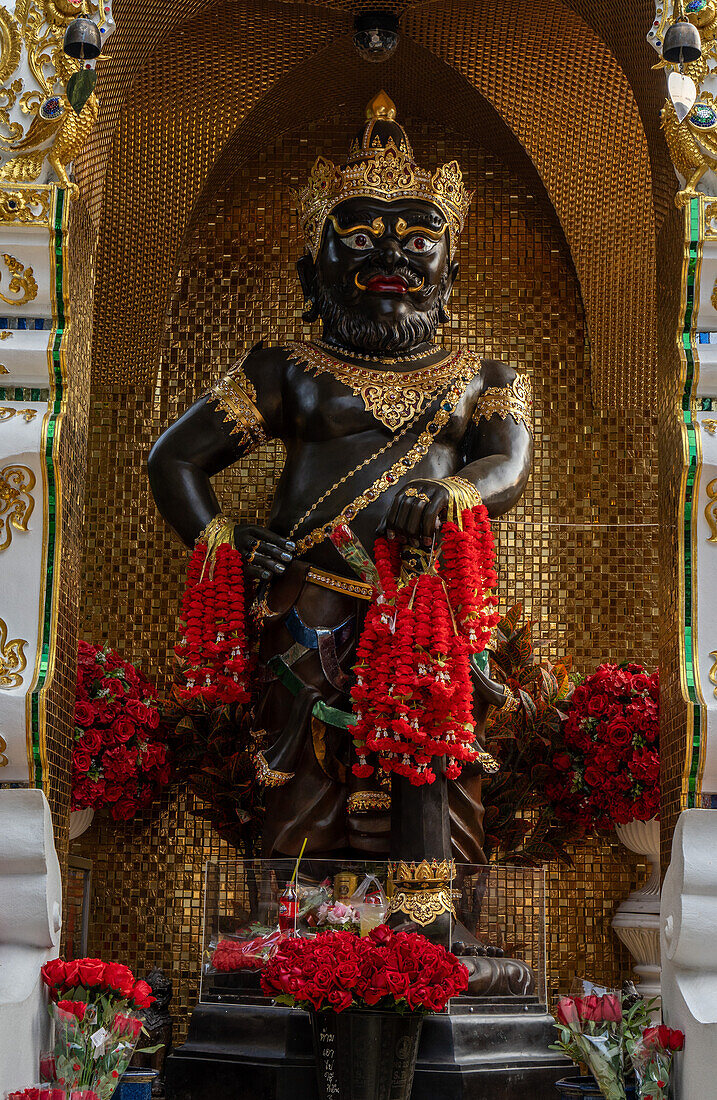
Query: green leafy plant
(520, 824)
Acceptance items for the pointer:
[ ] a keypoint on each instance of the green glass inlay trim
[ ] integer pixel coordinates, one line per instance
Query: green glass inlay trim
(46, 637)
(21, 394)
(692, 470)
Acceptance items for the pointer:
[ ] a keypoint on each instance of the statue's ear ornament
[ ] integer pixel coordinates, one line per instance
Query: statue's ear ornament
(381, 165)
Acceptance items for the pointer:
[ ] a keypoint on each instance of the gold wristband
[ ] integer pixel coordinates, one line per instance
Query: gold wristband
(218, 532)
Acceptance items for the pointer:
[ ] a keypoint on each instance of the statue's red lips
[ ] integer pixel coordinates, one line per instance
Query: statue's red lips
(387, 284)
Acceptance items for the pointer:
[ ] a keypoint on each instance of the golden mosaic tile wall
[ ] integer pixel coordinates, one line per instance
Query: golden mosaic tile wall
(547, 72)
(70, 466)
(580, 550)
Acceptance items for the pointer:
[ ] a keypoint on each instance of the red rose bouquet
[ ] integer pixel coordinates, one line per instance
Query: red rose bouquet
(386, 970)
(610, 1035)
(607, 772)
(590, 1033)
(120, 758)
(94, 1006)
(651, 1059)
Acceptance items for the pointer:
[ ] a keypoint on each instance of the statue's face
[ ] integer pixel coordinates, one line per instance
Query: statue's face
(382, 274)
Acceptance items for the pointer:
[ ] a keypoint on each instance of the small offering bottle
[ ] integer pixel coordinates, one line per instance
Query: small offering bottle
(288, 909)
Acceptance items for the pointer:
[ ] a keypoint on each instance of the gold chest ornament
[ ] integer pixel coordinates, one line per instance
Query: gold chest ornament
(393, 397)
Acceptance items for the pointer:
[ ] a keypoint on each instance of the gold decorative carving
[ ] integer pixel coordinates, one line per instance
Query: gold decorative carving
(713, 672)
(25, 205)
(10, 44)
(12, 659)
(711, 509)
(3, 370)
(710, 425)
(515, 400)
(7, 413)
(16, 501)
(3, 758)
(366, 802)
(426, 871)
(5, 335)
(711, 222)
(423, 890)
(22, 281)
(55, 132)
(393, 397)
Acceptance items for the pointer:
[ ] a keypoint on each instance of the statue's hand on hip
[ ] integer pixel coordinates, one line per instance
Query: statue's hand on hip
(417, 512)
(265, 553)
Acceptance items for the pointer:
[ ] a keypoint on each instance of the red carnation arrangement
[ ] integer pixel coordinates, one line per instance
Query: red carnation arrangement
(608, 771)
(95, 1006)
(413, 697)
(387, 970)
(120, 758)
(212, 650)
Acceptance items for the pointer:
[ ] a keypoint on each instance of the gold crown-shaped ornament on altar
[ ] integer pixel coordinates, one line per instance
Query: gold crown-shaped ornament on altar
(380, 166)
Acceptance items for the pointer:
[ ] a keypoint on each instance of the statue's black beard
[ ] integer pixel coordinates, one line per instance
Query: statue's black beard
(352, 329)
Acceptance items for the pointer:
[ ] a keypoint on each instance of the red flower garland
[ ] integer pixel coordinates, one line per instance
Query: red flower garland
(413, 697)
(213, 647)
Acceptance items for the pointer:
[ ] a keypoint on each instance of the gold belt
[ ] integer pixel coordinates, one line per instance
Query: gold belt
(339, 584)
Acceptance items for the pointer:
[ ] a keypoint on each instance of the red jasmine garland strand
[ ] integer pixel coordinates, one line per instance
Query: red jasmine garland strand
(213, 648)
(413, 697)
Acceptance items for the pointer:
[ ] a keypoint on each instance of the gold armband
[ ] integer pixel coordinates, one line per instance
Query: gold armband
(515, 400)
(235, 395)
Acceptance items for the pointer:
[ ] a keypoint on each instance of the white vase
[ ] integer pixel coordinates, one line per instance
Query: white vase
(637, 918)
(80, 821)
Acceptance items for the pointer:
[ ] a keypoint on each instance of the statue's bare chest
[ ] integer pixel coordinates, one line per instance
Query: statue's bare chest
(326, 407)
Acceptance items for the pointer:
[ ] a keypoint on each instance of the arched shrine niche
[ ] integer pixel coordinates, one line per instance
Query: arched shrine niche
(518, 298)
(551, 78)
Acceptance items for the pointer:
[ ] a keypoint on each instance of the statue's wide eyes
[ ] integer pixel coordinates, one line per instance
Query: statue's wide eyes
(419, 244)
(360, 241)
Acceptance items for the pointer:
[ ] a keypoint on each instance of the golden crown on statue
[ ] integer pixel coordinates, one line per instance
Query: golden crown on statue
(381, 166)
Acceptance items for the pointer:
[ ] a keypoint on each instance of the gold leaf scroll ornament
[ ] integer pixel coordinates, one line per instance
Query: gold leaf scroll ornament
(16, 502)
(12, 659)
(22, 281)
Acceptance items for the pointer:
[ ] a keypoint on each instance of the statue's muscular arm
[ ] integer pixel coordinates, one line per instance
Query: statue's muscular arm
(200, 445)
(497, 456)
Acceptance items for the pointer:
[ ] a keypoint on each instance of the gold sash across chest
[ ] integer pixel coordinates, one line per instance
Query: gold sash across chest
(393, 397)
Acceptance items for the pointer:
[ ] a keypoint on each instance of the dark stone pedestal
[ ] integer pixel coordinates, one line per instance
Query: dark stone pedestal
(484, 1049)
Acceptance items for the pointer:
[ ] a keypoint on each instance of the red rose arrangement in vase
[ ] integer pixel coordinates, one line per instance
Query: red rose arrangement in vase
(608, 770)
(97, 1025)
(120, 758)
(386, 970)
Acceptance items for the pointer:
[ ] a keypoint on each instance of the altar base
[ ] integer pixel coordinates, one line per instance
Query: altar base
(484, 1049)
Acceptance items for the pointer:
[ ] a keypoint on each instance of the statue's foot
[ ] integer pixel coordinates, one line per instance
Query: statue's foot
(498, 977)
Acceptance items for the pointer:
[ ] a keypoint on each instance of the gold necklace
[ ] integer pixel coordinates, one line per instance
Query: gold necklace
(470, 365)
(393, 397)
(391, 360)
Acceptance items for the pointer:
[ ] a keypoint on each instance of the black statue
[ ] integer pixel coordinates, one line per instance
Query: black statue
(379, 268)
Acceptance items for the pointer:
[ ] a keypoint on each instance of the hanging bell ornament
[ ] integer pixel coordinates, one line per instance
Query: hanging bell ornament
(83, 40)
(681, 43)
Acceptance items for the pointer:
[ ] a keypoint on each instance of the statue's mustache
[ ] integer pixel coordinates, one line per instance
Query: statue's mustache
(414, 281)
